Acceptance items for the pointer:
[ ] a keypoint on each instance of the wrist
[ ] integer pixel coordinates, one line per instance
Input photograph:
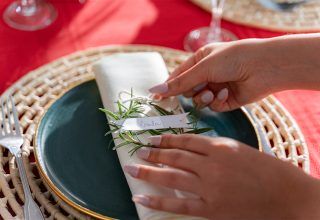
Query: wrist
(294, 62)
(283, 63)
(258, 57)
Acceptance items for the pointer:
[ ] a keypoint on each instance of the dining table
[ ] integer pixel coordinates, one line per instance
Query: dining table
(152, 22)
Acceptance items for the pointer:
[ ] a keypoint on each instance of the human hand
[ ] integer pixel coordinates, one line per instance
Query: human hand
(222, 75)
(225, 76)
(232, 180)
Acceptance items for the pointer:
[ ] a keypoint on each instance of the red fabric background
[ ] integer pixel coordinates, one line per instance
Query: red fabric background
(155, 22)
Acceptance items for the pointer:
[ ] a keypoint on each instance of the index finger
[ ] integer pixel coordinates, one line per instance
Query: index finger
(184, 82)
(190, 62)
(191, 142)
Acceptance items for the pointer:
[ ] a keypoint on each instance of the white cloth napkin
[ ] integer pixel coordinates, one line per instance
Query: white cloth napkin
(139, 71)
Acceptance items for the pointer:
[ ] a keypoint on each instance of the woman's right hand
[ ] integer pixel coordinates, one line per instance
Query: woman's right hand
(225, 76)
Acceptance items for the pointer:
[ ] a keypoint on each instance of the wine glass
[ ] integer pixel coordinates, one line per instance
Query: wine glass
(29, 15)
(214, 33)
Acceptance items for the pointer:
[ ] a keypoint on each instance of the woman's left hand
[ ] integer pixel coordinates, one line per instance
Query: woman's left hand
(231, 179)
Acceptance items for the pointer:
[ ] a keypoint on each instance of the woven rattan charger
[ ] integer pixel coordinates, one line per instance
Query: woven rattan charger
(305, 18)
(39, 88)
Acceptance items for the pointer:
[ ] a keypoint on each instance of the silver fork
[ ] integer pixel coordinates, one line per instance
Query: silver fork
(12, 139)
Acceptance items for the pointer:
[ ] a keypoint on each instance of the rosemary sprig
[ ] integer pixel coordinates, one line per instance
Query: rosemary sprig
(136, 109)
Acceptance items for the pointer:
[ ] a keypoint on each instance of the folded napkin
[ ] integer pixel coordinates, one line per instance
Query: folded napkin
(139, 71)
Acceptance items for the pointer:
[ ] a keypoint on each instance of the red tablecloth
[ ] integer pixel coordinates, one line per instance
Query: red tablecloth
(156, 22)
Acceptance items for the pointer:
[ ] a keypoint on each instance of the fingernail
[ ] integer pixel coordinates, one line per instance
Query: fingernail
(141, 199)
(161, 88)
(133, 170)
(156, 97)
(207, 97)
(144, 152)
(200, 87)
(223, 94)
(155, 140)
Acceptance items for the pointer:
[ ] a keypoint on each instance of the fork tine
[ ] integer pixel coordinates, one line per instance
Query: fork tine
(15, 117)
(3, 121)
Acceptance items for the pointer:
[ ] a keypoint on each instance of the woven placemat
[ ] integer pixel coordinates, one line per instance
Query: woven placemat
(39, 88)
(305, 18)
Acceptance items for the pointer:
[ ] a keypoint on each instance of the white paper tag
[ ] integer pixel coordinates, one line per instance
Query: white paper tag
(158, 122)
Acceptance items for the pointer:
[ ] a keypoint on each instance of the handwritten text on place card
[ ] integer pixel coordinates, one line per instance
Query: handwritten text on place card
(158, 122)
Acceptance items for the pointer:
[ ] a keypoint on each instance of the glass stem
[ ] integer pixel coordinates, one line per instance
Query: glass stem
(215, 25)
(28, 7)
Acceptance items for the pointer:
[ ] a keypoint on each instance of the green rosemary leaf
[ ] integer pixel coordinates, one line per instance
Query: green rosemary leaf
(126, 136)
(173, 131)
(154, 132)
(141, 132)
(109, 113)
(120, 108)
(131, 152)
(123, 106)
(113, 125)
(137, 137)
(193, 116)
(137, 147)
(121, 145)
(161, 110)
(131, 96)
(111, 131)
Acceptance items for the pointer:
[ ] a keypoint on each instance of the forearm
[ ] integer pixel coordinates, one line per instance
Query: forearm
(287, 62)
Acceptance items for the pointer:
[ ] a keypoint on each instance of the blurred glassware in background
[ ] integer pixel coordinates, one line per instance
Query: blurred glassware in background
(214, 33)
(29, 15)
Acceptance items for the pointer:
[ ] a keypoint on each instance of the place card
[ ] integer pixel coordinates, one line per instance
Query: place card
(157, 122)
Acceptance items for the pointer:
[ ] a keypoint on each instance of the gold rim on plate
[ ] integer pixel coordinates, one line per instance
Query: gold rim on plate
(46, 178)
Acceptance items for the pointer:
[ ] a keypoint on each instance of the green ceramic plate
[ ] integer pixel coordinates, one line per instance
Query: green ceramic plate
(74, 159)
